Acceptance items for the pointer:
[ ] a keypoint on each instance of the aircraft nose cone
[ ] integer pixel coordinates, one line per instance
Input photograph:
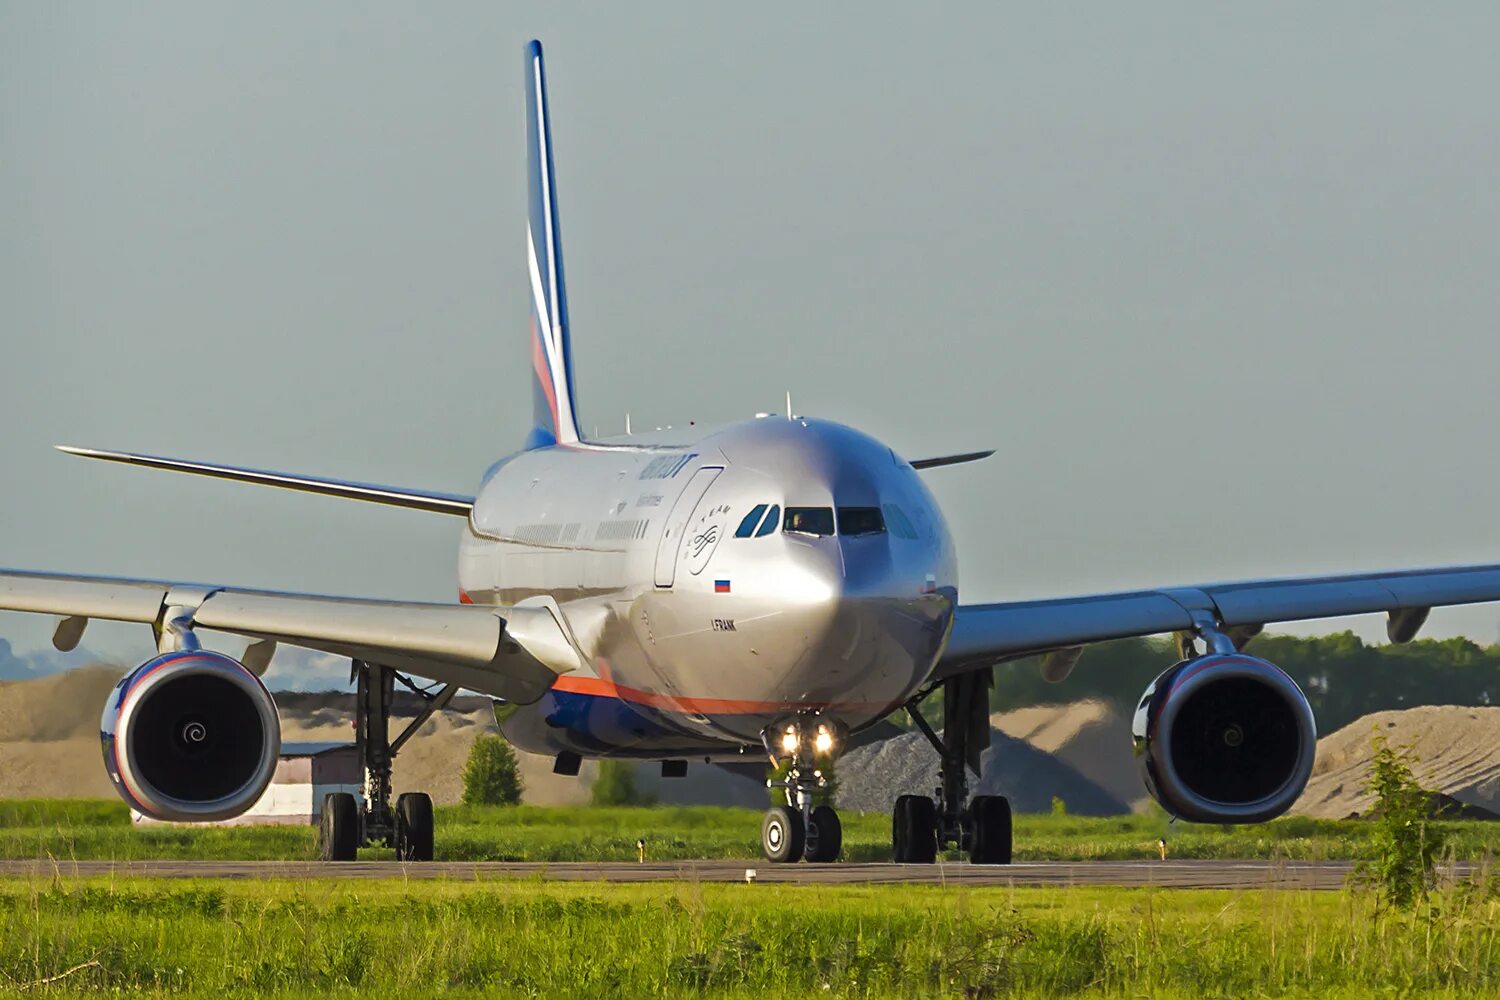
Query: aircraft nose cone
(868, 632)
(867, 567)
(814, 573)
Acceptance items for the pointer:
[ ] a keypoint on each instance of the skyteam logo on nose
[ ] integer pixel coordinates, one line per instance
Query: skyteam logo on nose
(703, 538)
(721, 586)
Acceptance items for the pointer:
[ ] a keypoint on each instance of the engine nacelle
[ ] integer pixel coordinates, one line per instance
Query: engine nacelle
(190, 736)
(1225, 738)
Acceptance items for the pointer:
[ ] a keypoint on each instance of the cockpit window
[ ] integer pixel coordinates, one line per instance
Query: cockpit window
(747, 526)
(861, 521)
(809, 520)
(768, 526)
(900, 525)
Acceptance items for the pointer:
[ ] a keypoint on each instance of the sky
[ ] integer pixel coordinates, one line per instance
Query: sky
(1217, 285)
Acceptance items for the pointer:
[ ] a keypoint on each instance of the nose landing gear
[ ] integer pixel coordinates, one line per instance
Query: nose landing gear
(802, 830)
(981, 827)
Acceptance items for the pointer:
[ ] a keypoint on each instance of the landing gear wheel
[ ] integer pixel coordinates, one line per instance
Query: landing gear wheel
(825, 835)
(990, 839)
(782, 836)
(914, 831)
(413, 827)
(338, 831)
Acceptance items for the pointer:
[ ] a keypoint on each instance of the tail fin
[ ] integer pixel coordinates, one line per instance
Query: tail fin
(551, 355)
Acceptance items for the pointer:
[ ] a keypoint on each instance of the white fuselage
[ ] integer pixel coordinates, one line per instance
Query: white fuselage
(698, 634)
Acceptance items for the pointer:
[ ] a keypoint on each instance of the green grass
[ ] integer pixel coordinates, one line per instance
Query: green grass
(525, 937)
(102, 830)
(528, 938)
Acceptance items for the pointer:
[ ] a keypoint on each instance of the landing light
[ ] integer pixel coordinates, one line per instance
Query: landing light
(789, 740)
(823, 742)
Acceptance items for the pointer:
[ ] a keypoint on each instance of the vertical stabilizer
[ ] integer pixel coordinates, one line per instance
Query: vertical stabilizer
(554, 419)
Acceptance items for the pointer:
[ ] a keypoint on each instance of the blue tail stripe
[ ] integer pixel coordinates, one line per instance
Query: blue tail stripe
(554, 419)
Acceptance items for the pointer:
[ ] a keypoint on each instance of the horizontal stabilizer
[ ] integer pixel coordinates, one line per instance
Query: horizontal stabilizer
(441, 503)
(941, 460)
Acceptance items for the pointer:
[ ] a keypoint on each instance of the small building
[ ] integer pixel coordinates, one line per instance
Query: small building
(305, 773)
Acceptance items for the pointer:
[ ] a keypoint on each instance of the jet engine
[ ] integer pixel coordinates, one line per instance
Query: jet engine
(1224, 738)
(190, 736)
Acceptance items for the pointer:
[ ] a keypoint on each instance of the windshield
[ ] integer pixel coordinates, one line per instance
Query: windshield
(861, 521)
(809, 520)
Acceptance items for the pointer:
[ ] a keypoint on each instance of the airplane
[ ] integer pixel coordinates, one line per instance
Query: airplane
(766, 591)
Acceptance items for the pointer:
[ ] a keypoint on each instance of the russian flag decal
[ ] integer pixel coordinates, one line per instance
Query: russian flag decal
(721, 586)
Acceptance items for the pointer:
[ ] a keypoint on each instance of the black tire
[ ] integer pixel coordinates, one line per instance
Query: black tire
(990, 836)
(782, 835)
(413, 827)
(914, 831)
(825, 836)
(338, 830)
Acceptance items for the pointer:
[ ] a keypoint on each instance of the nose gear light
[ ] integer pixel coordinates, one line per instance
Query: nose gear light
(823, 742)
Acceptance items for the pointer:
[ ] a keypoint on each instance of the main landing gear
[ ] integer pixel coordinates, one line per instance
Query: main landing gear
(349, 823)
(801, 830)
(981, 826)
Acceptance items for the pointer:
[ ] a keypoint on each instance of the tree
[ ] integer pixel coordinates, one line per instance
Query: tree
(1342, 677)
(491, 777)
(615, 786)
(1407, 843)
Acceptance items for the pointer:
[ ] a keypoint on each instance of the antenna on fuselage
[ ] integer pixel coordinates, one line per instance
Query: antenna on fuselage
(789, 404)
(627, 424)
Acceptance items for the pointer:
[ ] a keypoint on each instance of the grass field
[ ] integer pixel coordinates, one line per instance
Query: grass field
(90, 830)
(528, 938)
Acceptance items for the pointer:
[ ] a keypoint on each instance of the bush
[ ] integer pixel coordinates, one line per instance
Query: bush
(491, 777)
(615, 786)
(1407, 844)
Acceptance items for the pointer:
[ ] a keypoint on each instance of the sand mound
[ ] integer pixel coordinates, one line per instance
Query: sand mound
(49, 735)
(1458, 749)
(56, 707)
(53, 769)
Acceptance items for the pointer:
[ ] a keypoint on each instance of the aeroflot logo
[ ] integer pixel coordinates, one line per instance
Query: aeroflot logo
(667, 466)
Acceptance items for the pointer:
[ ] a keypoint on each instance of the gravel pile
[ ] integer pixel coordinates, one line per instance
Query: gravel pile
(871, 777)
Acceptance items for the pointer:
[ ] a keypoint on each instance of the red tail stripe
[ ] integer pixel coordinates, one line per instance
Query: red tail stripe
(543, 371)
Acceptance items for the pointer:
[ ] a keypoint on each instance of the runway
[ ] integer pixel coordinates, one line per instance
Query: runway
(1321, 875)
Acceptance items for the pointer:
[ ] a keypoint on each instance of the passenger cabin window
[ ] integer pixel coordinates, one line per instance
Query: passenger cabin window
(768, 526)
(747, 526)
(861, 521)
(900, 525)
(809, 520)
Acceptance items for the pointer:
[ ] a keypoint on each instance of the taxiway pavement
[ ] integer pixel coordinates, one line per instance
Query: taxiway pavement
(1166, 874)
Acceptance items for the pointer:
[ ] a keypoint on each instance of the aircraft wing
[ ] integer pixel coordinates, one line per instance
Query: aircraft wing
(942, 460)
(395, 496)
(510, 653)
(985, 634)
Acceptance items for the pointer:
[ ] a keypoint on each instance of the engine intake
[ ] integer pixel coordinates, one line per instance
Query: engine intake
(190, 736)
(1225, 738)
